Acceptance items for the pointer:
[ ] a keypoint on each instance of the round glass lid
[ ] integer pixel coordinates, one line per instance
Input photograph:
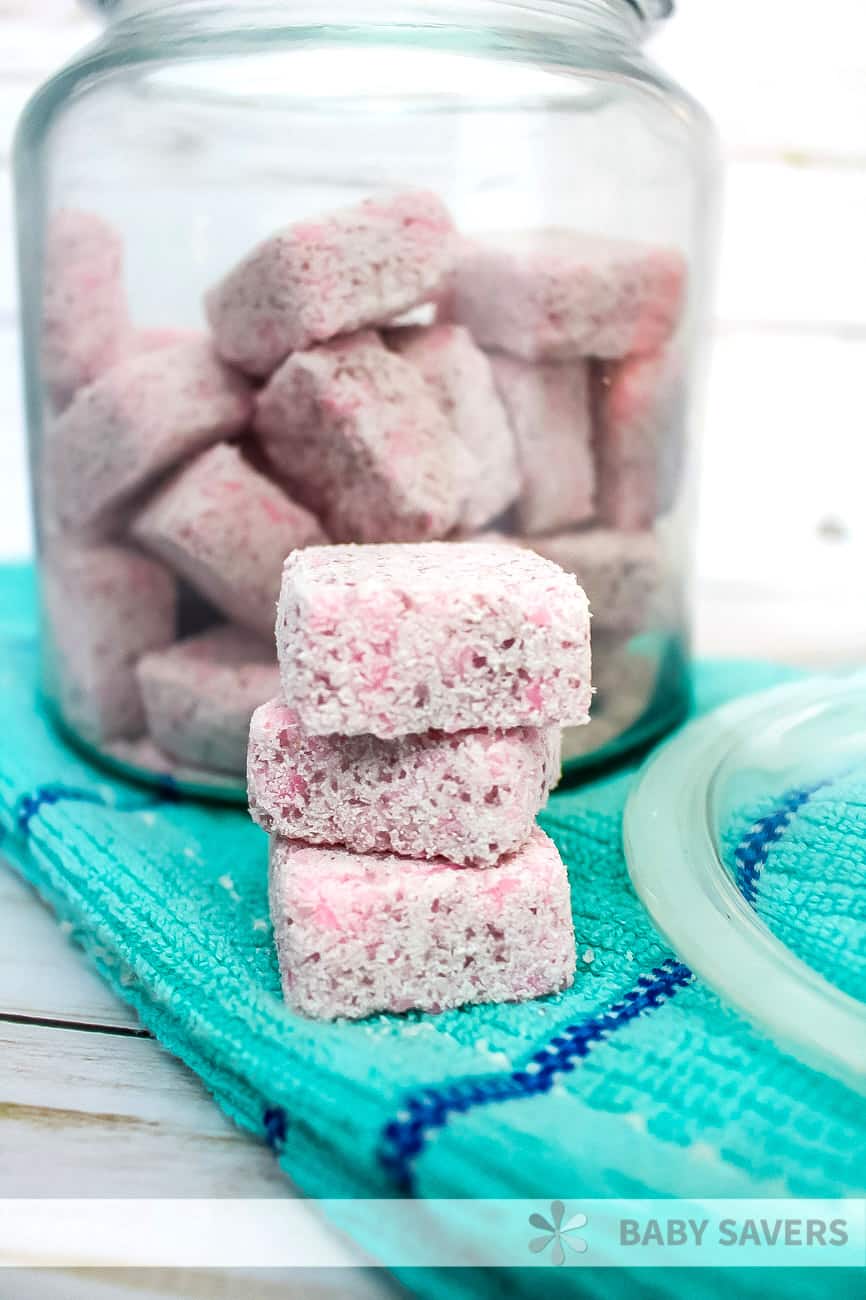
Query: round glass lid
(745, 838)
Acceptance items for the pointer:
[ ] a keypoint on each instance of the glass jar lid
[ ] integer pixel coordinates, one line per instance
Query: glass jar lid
(745, 838)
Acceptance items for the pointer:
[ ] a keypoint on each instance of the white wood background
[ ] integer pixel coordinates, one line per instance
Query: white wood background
(782, 559)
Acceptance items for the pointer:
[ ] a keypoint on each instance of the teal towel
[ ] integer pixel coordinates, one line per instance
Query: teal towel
(808, 885)
(655, 1088)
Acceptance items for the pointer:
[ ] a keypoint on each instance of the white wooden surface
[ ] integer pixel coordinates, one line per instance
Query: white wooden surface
(90, 1106)
(782, 544)
(193, 1284)
(85, 1106)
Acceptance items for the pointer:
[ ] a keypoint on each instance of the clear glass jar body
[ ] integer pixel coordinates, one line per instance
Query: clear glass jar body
(582, 184)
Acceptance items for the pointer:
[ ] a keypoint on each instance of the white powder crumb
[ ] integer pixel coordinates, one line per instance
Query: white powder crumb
(66, 927)
(494, 1054)
(226, 882)
(703, 1151)
(260, 924)
(189, 853)
(420, 1027)
(589, 956)
(629, 956)
(148, 818)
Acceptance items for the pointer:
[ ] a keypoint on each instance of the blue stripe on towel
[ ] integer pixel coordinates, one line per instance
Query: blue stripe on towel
(403, 1138)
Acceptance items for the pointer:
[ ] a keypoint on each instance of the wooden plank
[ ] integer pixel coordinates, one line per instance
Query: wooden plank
(88, 1114)
(782, 460)
(748, 64)
(15, 515)
(198, 1284)
(811, 630)
(99, 1115)
(37, 39)
(791, 249)
(43, 976)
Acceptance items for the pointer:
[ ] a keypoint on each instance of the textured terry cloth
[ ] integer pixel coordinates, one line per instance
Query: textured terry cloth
(809, 884)
(170, 903)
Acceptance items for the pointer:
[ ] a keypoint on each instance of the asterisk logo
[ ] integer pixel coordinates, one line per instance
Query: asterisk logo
(558, 1234)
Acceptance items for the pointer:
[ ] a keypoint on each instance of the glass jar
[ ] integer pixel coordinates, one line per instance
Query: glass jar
(188, 408)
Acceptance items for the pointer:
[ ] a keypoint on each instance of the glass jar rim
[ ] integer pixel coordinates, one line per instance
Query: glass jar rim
(649, 11)
(653, 11)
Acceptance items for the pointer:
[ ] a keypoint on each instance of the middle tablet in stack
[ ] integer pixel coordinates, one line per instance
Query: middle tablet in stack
(424, 688)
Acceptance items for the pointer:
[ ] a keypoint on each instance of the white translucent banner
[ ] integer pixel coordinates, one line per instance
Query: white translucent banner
(442, 1234)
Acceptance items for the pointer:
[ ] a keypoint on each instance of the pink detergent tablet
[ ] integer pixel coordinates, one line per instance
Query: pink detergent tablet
(460, 377)
(554, 294)
(470, 797)
(153, 338)
(622, 573)
(356, 934)
(331, 275)
(85, 323)
(357, 435)
(227, 530)
(138, 419)
(200, 694)
(551, 414)
(105, 607)
(395, 640)
(626, 672)
(144, 755)
(639, 438)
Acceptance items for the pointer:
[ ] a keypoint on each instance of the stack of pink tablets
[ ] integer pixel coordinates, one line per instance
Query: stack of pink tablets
(399, 773)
